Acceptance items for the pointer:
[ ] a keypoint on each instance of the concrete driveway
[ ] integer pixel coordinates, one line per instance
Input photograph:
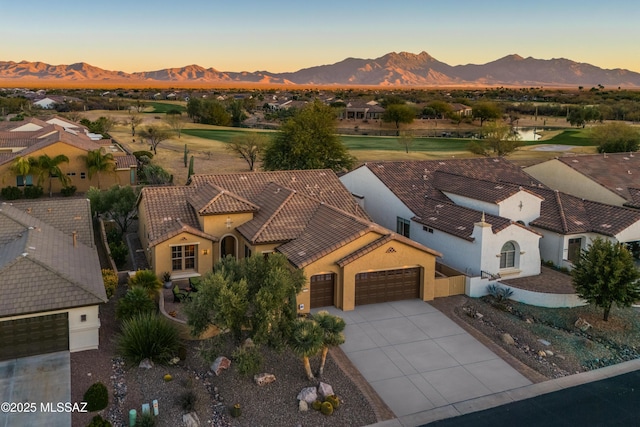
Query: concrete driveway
(36, 380)
(419, 360)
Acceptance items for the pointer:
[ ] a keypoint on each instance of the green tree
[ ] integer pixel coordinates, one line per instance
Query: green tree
(398, 113)
(236, 108)
(152, 174)
(485, 111)
(98, 162)
(441, 108)
(333, 333)
(615, 137)
(214, 113)
(306, 341)
(576, 117)
(308, 140)
(606, 273)
(249, 146)
(116, 203)
(49, 167)
(194, 109)
(497, 138)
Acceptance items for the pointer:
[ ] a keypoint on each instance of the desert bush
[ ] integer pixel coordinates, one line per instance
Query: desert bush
(98, 421)
(187, 401)
(145, 420)
(119, 252)
(11, 193)
(114, 235)
(136, 301)
(97, 397)
(110, 279)
(141, 153)
(248, 360)
(69, 191)
(499, 293)
(148, 336)
(33, 192)
(147, 280)
(210, 349)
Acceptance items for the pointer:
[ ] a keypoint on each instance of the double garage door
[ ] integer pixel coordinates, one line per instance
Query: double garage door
(371, 288)
(34, 335)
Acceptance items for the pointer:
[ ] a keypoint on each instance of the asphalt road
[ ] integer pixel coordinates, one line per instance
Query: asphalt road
(611, 402)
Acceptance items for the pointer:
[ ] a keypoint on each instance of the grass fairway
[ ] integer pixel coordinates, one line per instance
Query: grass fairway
(577, 137)
(222, 135)
(160, 108)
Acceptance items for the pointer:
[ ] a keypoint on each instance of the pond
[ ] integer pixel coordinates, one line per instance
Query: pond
(528, 134)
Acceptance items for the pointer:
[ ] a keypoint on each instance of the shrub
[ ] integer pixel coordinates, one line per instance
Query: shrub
(97, 397)
(98, 421)
(110, 279)
(187, 401)
(210, 349)
(119, 252)
(334, 400)
(135, 301)
(141, 153)
(316, 405)
(114, 235)
(69, 191)
(248, 360)
(326, 408)
(145, 420)
(499, 293)
(11, 193)
(148, 336)
(147, 280)
(33, 192)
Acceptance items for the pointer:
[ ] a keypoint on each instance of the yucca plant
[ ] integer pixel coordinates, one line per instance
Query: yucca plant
(147, 280)
(333, 335)
(148, 336)
(306, 341)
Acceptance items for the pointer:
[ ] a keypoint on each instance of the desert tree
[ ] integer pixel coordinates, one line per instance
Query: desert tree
(398, 113)
(615, 138)
(486, 111)
(440, 108)
(249, 146)
(308, 140)
(175, 122)
(332, 333)
(405, 140)
(606, 273)
(117, 203)
(306, 341)
(134, 120)
(154, 136)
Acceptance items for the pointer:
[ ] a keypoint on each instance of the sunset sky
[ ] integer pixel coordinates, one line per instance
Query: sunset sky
(140, 35)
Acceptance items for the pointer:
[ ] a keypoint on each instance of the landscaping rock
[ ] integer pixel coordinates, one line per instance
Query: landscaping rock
(544, 342)
(582, 324)
(264, 379)
(541, 353)
(308, 394)
(549, 353)
(324, 390)
(174, 361)
(303, 406)
(191, 420)
(219, 364)
(145, 364)
(508, 339)
(479, 316)
(248, 343)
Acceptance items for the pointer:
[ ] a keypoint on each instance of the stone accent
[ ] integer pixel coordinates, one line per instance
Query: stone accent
(303, 406)
(308, 394)
(324, 390)
(191, 420)
(219, 364)
(582, 324)
(264, 379)
(145, 364)
(507, 339)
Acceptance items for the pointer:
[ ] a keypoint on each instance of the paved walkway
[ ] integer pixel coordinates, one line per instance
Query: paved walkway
(39, 380)
(418, 360)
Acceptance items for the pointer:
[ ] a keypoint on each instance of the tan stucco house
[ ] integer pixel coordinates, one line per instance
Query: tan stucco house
(50, 278)
(34, 137)
(308, 216)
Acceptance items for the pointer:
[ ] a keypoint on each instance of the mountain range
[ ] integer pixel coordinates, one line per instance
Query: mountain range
(393, 69)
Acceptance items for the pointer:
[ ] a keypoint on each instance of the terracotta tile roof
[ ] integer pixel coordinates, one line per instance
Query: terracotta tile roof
(211, 199)
(618, 172)
(381, 241)
(477, 189)
(126, 162)
(566, 214)
(283, 215)
(322, 185)
(168, 214)
(64, 214)
(41, 269)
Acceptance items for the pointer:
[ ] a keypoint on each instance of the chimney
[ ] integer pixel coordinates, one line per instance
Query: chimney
(75, 238)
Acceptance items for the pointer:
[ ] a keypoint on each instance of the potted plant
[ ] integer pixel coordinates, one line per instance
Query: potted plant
(166, 278)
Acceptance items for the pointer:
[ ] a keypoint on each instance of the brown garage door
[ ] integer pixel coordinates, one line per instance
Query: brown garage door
(388, 285)
(34, 335)
(322, 288)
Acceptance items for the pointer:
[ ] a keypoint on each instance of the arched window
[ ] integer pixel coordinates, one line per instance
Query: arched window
(508, 255)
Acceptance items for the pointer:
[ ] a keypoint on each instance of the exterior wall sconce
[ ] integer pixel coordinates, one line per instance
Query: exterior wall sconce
(205, 252)
(522, 252)
(228, 222)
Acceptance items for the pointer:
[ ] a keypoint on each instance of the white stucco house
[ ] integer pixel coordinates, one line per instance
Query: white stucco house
(487, 217)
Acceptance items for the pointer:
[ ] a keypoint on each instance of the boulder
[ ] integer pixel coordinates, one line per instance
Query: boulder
(191, 420)
(145, 364)
(582, 324)
(303, 406)
(308, 394)
(479, 315)
(324, 390)
(544, 342)
(264, 379)
(219, 364)
(507, 339)
(549, 353)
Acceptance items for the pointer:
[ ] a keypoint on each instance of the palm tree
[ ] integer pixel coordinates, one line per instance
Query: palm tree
(306, 341)
(49, 167)
(332, 326)
(98, 162)
(147, 280)
(21, 166)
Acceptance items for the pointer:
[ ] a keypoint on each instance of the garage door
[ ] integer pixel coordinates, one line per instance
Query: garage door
(389, 285)
(34, 335)
(322, 288)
